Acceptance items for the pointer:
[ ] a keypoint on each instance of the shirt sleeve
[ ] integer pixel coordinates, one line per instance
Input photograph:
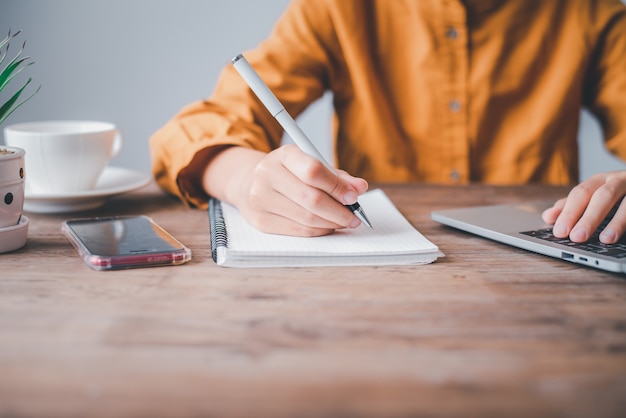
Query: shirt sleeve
(605, 87)
(292, 61)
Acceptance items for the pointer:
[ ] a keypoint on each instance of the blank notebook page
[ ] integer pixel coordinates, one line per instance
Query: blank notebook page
(391, 234)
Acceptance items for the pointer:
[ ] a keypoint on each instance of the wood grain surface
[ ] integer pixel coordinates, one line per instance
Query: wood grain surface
(488, 330)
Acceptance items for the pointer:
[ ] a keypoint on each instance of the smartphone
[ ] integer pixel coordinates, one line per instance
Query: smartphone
(124, 242)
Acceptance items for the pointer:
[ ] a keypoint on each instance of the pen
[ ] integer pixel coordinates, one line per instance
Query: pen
(290, 126)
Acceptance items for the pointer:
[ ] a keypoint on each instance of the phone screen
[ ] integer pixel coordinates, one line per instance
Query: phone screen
(124, 242)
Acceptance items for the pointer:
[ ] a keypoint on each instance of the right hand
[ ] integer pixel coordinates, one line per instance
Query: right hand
(579, 214)
(285, 191)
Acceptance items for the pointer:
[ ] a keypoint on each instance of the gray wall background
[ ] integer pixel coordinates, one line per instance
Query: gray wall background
(137, 62)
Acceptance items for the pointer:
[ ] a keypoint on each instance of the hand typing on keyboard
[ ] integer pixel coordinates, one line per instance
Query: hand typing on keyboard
(593, 244)
(581, 213)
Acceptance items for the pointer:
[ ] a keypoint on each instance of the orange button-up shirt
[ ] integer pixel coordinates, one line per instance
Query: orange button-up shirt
(424, 90)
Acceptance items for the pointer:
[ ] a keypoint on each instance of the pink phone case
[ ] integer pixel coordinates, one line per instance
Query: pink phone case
(114, 243)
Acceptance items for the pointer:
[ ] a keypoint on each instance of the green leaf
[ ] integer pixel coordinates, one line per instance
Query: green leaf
(8, 74)
(10, 71)
(6, 41)
(10, 106)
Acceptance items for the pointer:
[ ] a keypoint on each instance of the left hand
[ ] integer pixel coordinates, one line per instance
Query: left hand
(580, 214)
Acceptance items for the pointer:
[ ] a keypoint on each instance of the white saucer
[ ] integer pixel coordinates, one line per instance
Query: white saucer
(14, 237)
(113, 181)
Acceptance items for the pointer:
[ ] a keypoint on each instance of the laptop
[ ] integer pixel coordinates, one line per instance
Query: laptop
(520, 225)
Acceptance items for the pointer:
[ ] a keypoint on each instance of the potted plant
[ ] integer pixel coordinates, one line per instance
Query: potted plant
(13, 226)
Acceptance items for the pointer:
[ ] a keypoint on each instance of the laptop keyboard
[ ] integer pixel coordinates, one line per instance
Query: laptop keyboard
(617, 250)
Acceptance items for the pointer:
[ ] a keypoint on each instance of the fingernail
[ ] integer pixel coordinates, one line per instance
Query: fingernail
(349, 198)
(559, 231)
(579, 235)
(608, 236)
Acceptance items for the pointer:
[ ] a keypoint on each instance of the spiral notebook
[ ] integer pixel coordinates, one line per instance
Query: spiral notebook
(392, 241)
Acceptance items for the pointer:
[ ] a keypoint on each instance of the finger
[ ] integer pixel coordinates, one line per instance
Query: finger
(575, 205)
(616, 226)
(276, 224)
(597, 210)
(276, 203)
(314, 207)
(550, 215)
(273, 191)
(321, 191)
(611, 188)
(359, 184)
(313, 172)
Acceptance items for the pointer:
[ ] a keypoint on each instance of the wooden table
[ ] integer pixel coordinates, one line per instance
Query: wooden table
(486, 331)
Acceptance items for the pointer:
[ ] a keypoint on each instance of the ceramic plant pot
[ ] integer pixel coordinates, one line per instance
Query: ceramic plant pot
(13, 226)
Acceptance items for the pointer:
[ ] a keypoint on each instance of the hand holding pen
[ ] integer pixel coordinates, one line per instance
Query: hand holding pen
(277, 110)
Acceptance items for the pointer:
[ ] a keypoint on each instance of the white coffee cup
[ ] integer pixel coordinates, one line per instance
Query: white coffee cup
(64, 157)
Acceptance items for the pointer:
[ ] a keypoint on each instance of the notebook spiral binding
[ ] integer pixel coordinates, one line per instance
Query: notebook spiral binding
(219, 235)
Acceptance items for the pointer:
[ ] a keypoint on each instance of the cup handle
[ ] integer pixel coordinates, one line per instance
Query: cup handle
(117, 143)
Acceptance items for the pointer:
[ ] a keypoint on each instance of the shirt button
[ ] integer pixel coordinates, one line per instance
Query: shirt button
(455, 175)
(454, 105)
(451, 33)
